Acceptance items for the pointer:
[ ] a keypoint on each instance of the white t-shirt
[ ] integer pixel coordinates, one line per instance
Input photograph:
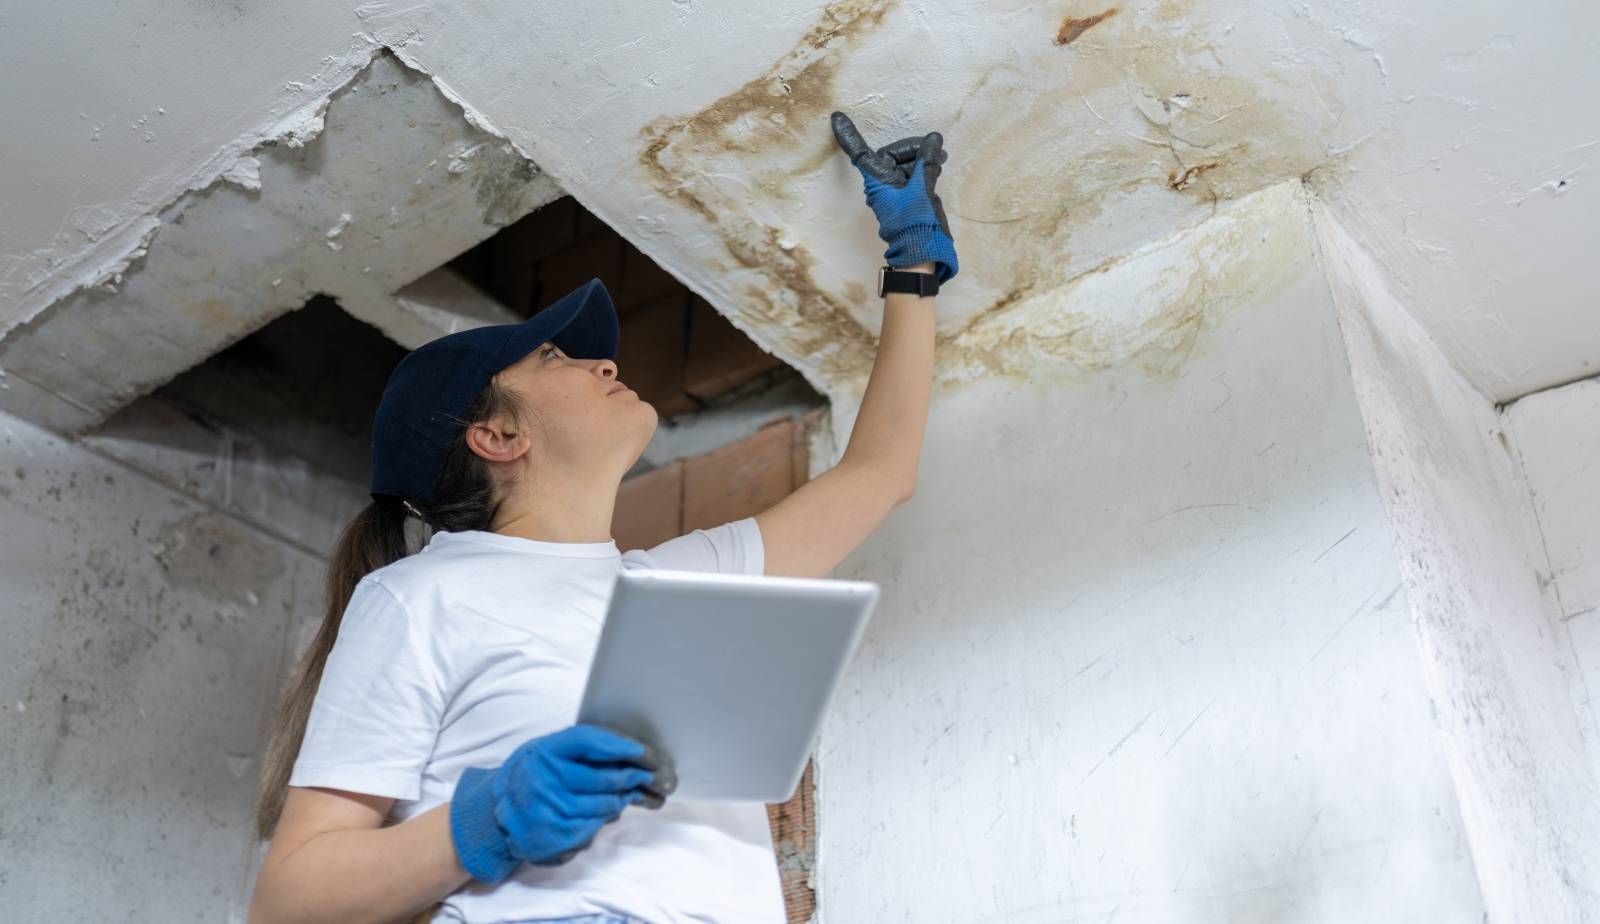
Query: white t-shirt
(452, 657)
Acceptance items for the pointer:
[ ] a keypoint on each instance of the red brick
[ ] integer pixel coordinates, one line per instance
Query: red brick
(650, 359)
(649, 508)
(721, 357)
(738, 480)
(643, 281)
(794, 840)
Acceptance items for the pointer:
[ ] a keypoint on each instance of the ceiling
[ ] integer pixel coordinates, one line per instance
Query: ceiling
(1454, 141)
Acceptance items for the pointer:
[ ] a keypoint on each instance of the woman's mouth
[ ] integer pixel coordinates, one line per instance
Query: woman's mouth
(616, 388)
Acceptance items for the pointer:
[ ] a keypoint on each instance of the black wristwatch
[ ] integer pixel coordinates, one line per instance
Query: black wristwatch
(919, 284)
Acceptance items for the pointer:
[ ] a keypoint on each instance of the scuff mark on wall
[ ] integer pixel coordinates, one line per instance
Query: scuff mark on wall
(219, 557)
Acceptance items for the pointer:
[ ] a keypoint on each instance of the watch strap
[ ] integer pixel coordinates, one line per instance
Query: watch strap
(919, 284)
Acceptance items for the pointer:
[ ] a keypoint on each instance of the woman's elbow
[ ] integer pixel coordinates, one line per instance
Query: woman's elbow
(905, 488)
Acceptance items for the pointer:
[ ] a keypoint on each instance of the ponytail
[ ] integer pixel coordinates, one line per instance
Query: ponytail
(375, 537)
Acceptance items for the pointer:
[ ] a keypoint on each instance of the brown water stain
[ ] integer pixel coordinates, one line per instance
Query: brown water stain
(783, 109)
(1150, 104)
(1072, 28)
(1181, 181)
(1248, 256)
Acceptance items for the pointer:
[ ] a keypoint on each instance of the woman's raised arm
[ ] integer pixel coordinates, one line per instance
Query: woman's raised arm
(809, 532)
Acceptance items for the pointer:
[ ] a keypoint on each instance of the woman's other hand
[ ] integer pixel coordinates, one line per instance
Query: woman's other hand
(550, 798)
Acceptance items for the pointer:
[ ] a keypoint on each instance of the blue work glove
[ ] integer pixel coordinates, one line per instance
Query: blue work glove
(550, 798)
(899, 180)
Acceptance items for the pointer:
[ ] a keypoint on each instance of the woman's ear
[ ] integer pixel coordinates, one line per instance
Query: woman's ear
(497, 440)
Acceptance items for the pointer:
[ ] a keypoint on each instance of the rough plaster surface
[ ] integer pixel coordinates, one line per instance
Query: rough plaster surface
(1557, 437)
(394, 184)
(1078, 133)
(1475, 187)
(144, 634)
(1143, 652)
(1486, 616)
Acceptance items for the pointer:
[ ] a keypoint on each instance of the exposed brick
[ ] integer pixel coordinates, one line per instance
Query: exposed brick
(596, 257)
(794, 840)
(650, 359)
(649, 508)
(738, 480)
(720, 355)
(643, 281)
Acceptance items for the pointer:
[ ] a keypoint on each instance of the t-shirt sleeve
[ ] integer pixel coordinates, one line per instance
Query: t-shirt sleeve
(377, 710)
(732, 548)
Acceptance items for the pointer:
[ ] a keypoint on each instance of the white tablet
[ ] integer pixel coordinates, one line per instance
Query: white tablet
(727, 675)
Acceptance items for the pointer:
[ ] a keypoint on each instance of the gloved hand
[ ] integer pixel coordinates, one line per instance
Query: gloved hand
(899, 180)
(550, 798)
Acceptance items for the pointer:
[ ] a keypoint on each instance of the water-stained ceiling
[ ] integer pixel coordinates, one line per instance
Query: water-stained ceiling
(1453, 140)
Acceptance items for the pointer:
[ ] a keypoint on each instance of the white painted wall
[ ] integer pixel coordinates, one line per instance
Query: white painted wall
(145, 622)
(1557, 437)
(1144, 652)
(1476, 577)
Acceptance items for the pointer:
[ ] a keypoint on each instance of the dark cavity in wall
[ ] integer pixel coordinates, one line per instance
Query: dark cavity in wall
(678, 353)
(305, 384)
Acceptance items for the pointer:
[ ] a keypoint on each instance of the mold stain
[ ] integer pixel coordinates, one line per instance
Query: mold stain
(783, 110)
(502, 185)
(1072, 28)
(1147, 105)
(1149, 108)
(1117, 313)
(1182, 181)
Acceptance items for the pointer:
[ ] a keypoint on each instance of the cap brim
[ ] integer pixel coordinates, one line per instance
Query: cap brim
(583, 323)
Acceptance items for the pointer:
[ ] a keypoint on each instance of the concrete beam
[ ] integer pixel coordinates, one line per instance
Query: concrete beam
(442, 302)
(394, 185)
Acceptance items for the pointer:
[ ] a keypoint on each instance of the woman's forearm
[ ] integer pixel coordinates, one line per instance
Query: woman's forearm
(888, 431)
(380, 874)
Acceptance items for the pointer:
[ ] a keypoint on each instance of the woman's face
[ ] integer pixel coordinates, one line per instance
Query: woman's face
(581, 413)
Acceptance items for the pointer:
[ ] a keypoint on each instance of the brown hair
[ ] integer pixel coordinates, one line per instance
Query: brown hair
(464, 498)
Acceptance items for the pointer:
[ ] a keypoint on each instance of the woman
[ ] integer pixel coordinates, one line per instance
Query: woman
(423, 756)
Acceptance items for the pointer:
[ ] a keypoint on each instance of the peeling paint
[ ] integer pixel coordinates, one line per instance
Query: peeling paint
(1071, 27)
(245, 173)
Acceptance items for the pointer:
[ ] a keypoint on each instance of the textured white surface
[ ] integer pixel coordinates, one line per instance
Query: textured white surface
(143, 633)
(1143, 653)
(1477, 186)
(1452, 139)
(369, 205)
(1478, 585)
(1557, 435)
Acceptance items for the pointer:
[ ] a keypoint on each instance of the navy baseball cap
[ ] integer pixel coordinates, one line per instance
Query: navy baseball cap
(435, 384)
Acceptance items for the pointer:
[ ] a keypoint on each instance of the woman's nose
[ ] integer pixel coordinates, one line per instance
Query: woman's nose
(606, 368)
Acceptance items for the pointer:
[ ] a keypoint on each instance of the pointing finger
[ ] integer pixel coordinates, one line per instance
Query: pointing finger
(849, 139)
